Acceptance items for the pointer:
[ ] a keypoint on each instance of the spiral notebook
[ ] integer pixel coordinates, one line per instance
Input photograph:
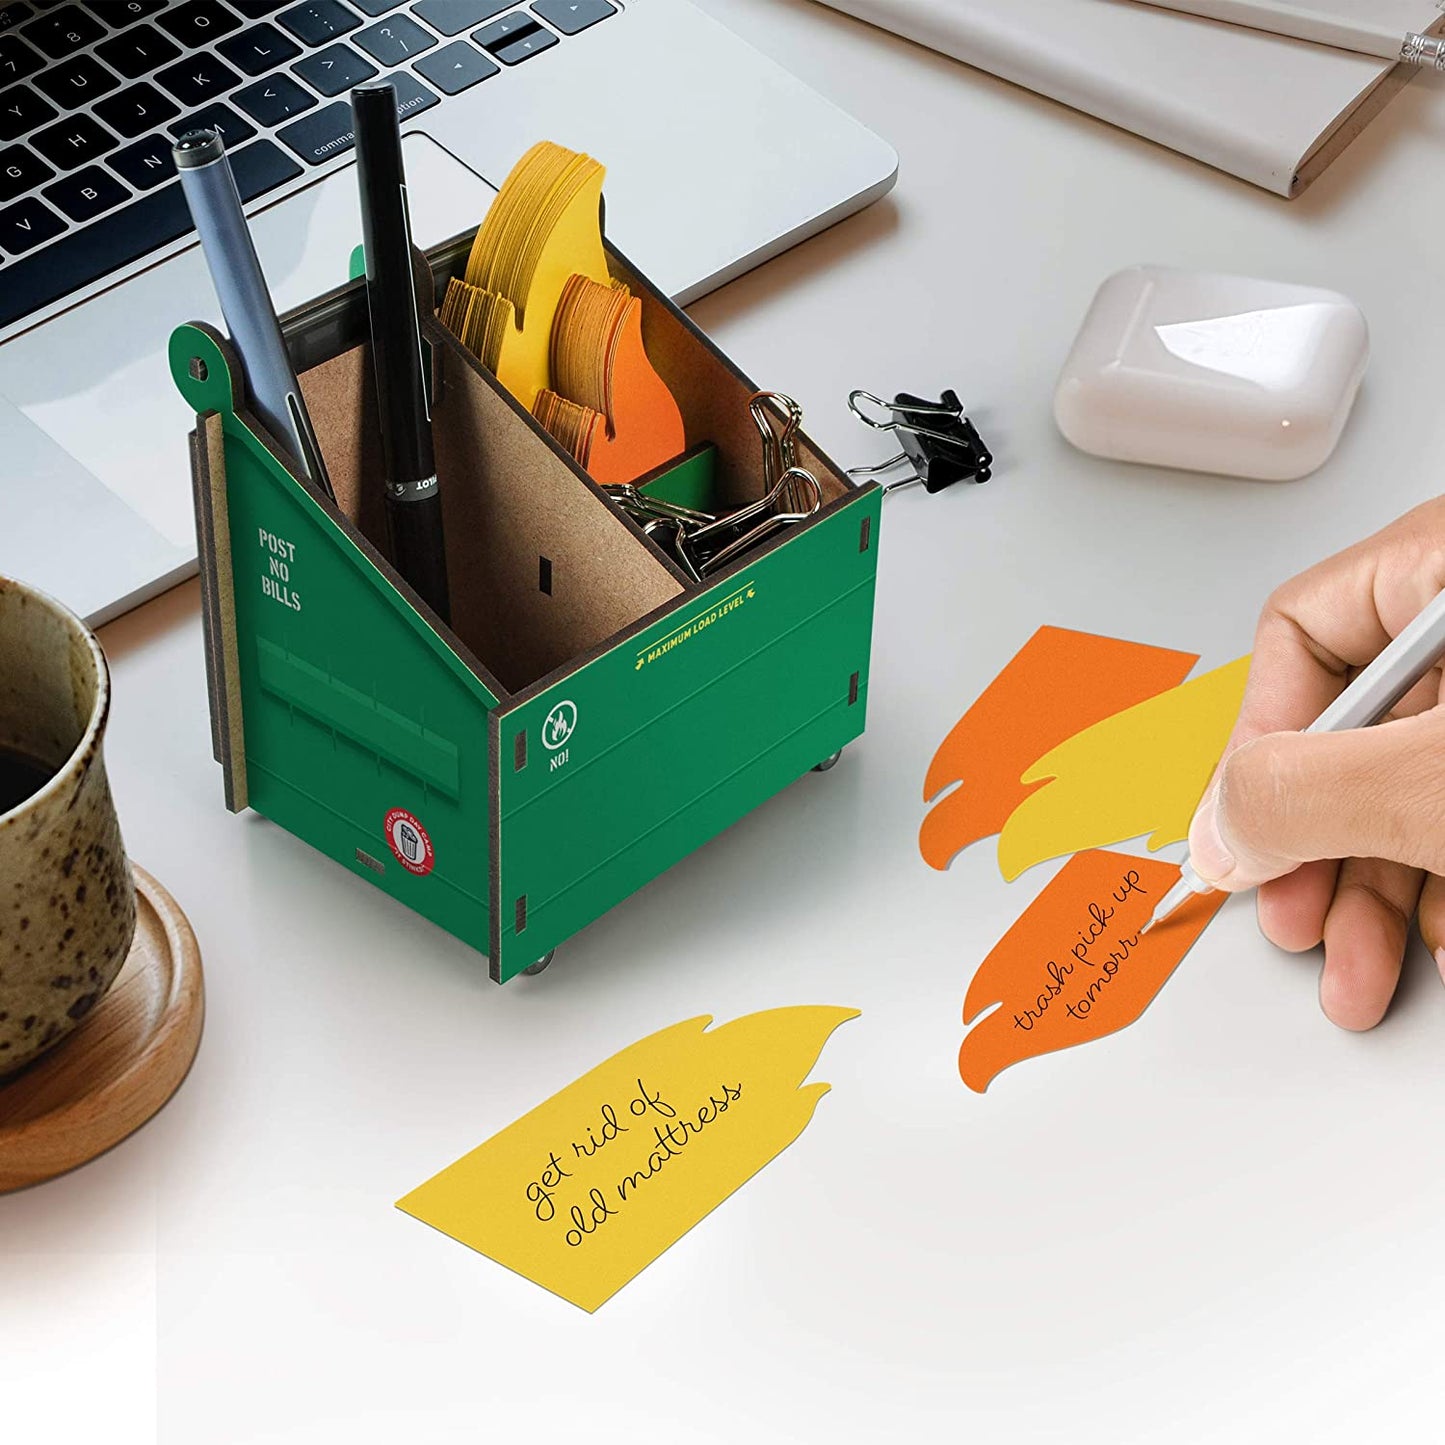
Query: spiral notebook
(1273, 111)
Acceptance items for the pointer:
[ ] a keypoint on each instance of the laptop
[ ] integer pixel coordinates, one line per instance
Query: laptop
(716, 159)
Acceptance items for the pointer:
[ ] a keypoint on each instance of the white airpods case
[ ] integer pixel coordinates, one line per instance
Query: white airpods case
(1213, 373)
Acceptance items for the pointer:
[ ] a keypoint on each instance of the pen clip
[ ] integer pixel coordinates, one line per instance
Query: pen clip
(421, 350)
(310, 458)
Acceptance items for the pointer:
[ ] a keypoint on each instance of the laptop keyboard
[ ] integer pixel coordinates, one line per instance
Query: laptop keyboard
(92, 96)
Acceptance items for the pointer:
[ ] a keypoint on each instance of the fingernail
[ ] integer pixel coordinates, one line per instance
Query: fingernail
(1440, 961)
(1208, 855)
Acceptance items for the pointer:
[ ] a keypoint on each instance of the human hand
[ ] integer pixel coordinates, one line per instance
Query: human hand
(1285, 806)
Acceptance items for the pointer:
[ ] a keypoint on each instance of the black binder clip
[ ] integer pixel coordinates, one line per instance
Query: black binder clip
(937, 437)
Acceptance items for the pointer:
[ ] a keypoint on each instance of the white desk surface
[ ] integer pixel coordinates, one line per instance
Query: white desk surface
(1219, 1225)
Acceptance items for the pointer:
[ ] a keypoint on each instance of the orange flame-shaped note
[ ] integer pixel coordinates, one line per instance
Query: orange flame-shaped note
(1058, 684)
(1075, 966)
(597, 1181)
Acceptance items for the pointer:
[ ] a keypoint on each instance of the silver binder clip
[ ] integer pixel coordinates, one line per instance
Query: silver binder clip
(642, 507)
(794, 482)
(700, 542)
(778, 419)
(670, 533)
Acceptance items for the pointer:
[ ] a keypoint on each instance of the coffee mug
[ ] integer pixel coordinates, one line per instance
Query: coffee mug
(67, 897)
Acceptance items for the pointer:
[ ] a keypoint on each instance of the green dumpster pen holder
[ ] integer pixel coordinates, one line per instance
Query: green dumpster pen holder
(591, 715)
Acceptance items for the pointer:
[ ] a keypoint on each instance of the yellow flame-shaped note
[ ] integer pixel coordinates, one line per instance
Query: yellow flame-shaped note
(1141, 771)
(589, 1188)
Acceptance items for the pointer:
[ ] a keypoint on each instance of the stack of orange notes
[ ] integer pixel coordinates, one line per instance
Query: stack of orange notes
(607, 406)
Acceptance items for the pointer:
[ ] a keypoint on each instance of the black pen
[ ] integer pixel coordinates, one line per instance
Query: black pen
(413, 502)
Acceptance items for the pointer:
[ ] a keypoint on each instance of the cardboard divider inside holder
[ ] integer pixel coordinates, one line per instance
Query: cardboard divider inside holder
(340, 395)
(542, 568)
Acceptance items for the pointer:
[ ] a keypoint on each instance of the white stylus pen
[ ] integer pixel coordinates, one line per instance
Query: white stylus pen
(1305, 22)
(1366, 700)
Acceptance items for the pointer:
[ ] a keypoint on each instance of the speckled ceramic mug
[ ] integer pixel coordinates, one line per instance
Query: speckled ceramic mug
(67, 897)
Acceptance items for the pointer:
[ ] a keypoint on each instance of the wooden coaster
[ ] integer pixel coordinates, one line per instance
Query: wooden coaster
(121, 1065)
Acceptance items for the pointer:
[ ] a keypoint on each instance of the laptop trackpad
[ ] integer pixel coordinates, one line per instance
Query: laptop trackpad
(96, 382)
(64, 532)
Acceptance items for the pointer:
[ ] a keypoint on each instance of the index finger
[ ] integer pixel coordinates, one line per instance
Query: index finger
(1316, 630)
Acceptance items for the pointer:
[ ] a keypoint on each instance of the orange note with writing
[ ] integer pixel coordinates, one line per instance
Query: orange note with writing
(1058, 684)
(1075, 966)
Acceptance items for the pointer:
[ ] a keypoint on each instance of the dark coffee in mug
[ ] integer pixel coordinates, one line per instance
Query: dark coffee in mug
(21, 777)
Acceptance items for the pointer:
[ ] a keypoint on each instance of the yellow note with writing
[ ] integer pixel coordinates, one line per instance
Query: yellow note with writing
(589, 1188)
(1141, 771)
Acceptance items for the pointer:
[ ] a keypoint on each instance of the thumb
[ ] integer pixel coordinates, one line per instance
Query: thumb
(1291, 798)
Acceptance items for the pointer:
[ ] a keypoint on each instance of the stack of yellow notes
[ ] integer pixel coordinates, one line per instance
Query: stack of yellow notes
(544, 228)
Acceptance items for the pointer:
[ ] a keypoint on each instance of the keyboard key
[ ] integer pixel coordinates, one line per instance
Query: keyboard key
(262, 167)
(319, 137)
(137, 52)
(571, 16)
(122, 12)
(116, 240)
(73, 141)
(85, 194)
(17, 59)
(76, 82)
(395, 41)
(21, 170)
(534, 42)
(451, 17)
(135, 111)
(199, 22)
(504, 31)
(318, 21)
(256, 9)
(259, 49)
(11, 15)
(375, 7)
(412, 97)
(126, 235)
(197, 79)
(62, 32)
(145, 164)
(102, 247)
(526, 40)
(456, 66)
(26, 225)
(233, 128)
(334, 69)
(330, 132)
(21, 109)
(273, 100)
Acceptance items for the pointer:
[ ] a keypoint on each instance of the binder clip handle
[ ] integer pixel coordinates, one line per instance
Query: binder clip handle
(937, 438)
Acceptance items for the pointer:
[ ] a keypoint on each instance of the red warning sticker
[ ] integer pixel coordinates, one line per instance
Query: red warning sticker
(410, 842)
